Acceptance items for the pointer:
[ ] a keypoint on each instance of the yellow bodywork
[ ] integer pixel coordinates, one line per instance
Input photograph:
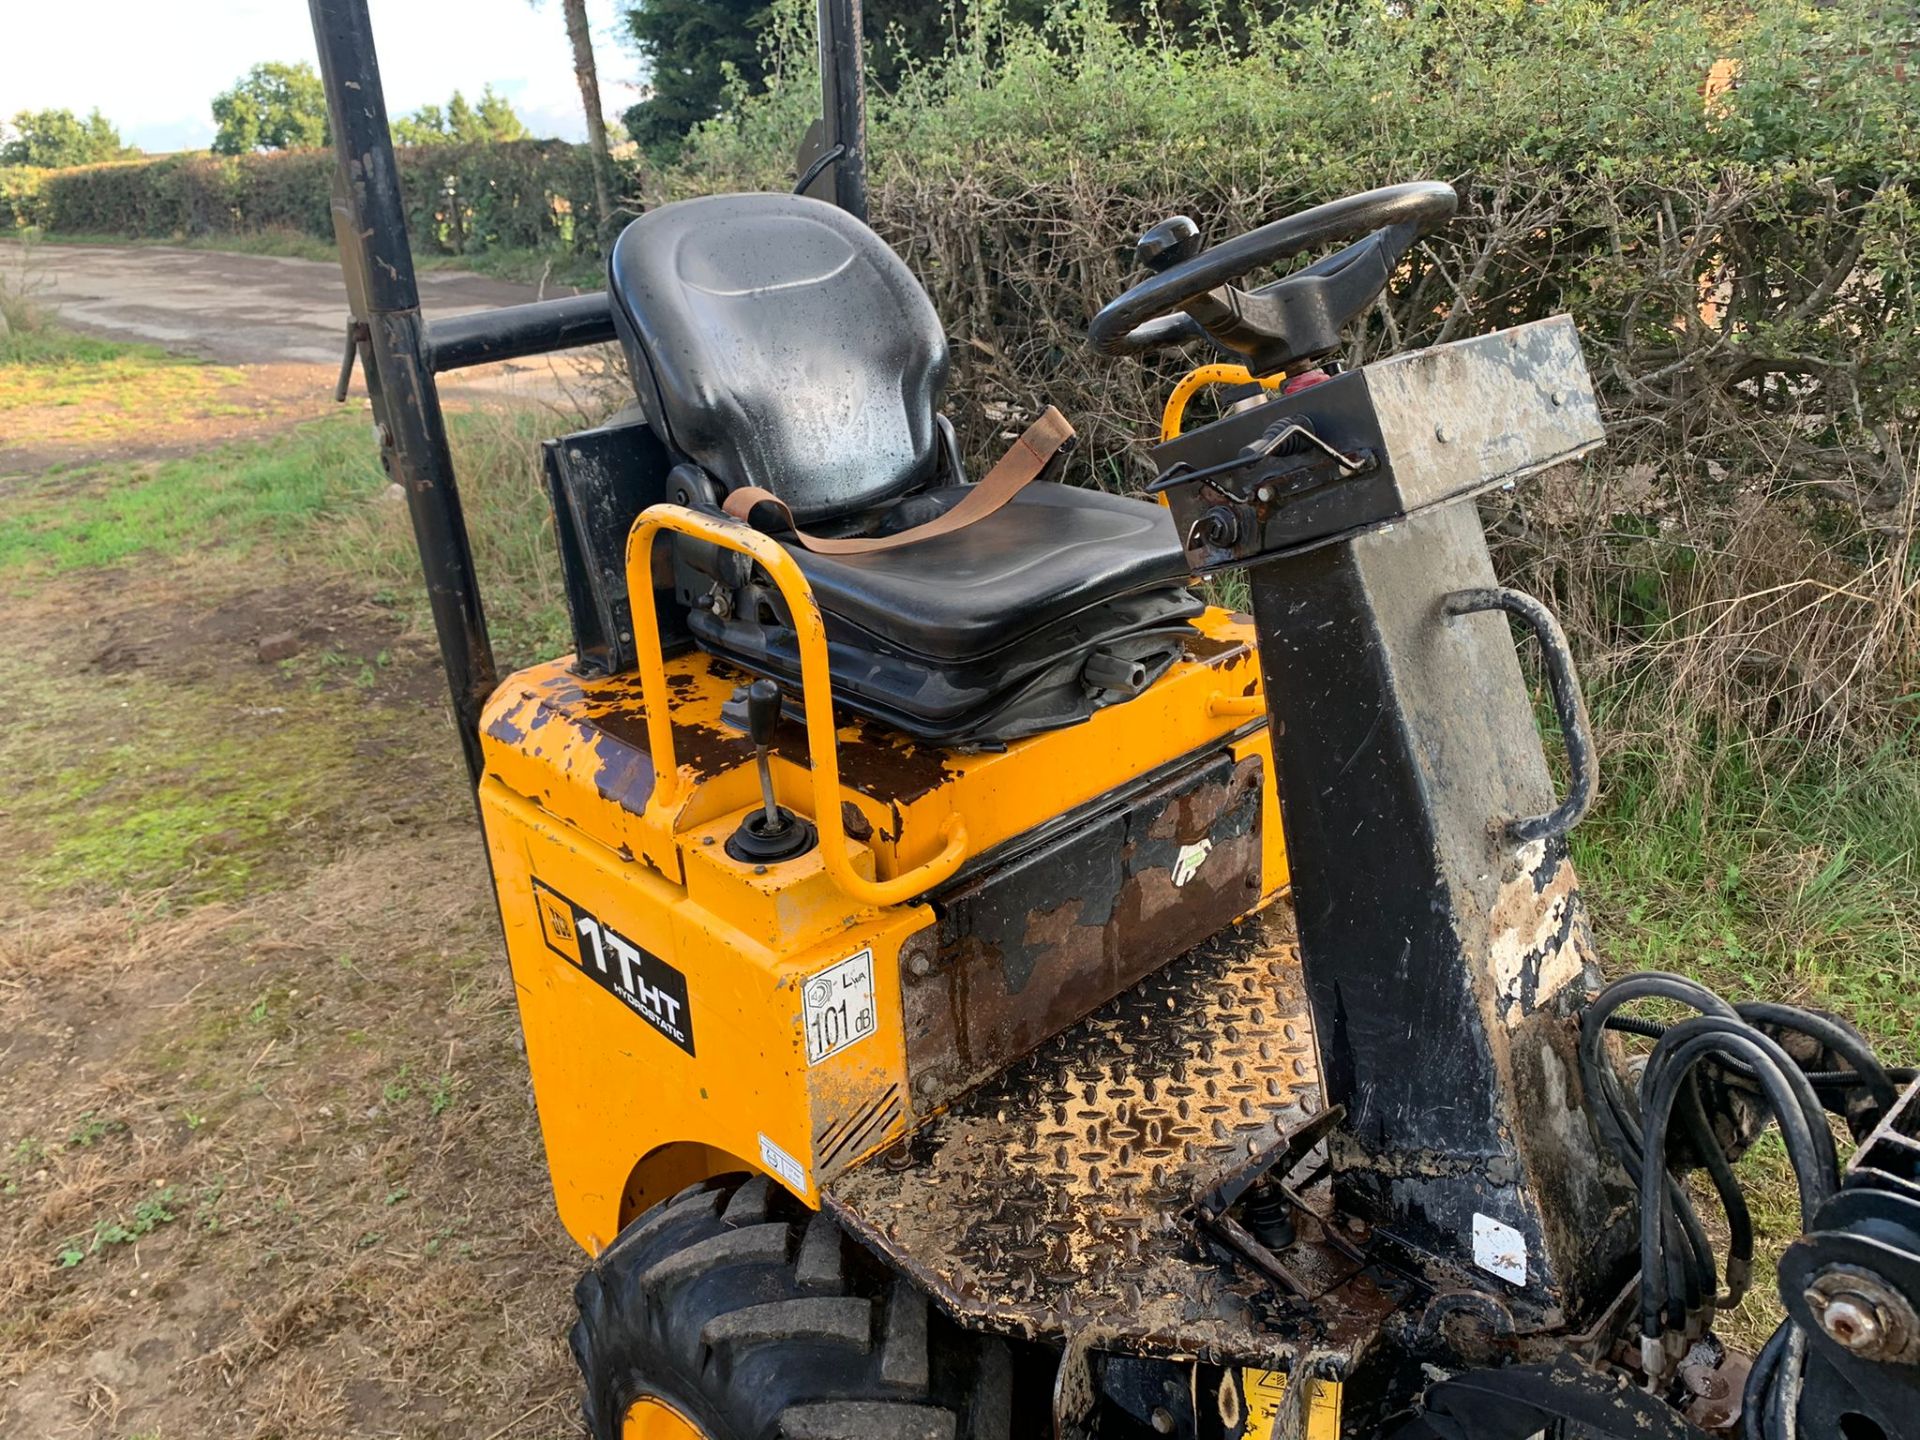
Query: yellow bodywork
(685, 1013)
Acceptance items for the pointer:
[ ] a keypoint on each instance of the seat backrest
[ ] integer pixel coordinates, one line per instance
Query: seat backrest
(776, 341)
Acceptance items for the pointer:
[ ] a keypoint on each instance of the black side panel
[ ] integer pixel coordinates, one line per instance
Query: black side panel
(1032, 944)
(599, 481)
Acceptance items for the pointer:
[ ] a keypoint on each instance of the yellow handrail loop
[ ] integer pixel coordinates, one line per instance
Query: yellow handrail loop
(816, 698)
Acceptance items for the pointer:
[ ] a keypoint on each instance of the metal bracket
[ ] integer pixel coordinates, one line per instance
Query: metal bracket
(1276, 1163)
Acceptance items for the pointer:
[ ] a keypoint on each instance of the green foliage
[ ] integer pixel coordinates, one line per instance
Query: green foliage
(461, 123)
(147, 1216)
(50, 139)
(19, 196)
(462, 198)
(704, 56)
(1769, 879)
(183, 504)
(276, 106)
(696, 50)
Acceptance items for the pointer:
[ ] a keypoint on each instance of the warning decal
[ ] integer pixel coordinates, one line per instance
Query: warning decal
(645, 983)
(1265, 1390)
(837, 1006)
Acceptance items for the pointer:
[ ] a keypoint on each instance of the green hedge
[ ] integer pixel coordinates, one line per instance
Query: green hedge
(1744, 267)
(461, 199)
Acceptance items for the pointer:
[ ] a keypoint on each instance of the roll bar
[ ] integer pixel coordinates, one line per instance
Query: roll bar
(400, 351)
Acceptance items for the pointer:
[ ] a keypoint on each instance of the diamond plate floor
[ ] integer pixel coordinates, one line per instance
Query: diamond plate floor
(1052, 1201)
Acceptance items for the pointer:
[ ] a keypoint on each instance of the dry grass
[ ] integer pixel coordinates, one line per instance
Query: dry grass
(269, 1166)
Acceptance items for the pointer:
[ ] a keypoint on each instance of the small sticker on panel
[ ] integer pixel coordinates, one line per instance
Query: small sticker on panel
(837, 1006)
(1187, 863)
(780, 1163)
(1499, 1249)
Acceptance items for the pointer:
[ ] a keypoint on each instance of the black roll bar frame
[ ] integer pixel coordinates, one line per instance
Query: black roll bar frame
(401, 351)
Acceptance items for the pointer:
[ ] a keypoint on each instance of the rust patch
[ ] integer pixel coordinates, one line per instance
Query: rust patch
(873, 761)
(1055, 1198)
(1214, 649)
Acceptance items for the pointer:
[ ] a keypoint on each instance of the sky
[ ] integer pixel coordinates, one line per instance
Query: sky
(154, 66)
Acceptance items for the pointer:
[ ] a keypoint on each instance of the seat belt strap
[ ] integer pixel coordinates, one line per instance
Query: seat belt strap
(1023, 463)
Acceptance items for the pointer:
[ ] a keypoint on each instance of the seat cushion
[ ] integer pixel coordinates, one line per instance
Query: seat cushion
(1054, 551)
(776, 341)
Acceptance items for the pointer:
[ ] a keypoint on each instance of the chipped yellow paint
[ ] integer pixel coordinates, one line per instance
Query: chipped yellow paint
(571, 805)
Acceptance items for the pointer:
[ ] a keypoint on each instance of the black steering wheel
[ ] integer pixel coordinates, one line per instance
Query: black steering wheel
(1295, 318)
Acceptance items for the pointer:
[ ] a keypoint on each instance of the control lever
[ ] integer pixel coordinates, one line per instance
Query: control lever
(772, 832)
(763, 714)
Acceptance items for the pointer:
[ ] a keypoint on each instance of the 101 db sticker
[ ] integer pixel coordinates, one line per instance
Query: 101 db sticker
(837, 1006)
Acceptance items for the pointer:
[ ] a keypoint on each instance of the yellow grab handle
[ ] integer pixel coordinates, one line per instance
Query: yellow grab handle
(816, 698)
(1237, 707)
(1196, 380)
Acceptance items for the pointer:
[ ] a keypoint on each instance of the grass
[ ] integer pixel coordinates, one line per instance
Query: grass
(1765, 871)
(239, 494)
(59, 386)
(557, 270)
(135, 793)
(317, 490)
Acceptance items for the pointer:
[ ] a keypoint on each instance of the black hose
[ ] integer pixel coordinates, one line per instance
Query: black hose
(1741, 1042)
(1693, 1280)
(1896, 1075)
(1801, 1120)
(1833, 1036)
(1733, 1201)
(1757, 1394)
(1714, 1157)
(812, 172)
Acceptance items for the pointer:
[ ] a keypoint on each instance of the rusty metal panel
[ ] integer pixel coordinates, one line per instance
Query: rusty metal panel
(1031, 945)
(1055, 1200)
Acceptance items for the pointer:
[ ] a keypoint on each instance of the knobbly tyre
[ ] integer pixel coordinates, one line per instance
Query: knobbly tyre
(932, 1033)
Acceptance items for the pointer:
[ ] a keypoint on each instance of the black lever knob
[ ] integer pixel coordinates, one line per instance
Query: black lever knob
(1167, 244)
(763, 712)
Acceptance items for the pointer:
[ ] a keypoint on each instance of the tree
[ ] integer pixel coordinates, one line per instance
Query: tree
(588, 76)
(55, 139)
(691, 45)
(461, 123)
(275, 107)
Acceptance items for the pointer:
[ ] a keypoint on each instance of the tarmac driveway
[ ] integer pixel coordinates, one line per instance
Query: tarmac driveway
(233, 309)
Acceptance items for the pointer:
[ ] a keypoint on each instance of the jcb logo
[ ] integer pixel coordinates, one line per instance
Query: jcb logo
(648, 985)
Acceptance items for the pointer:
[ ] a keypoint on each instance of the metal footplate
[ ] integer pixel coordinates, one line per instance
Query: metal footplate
(1059, 1201)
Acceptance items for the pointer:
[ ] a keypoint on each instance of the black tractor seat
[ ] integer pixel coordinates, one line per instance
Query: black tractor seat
(777, 342)
(1052, 553)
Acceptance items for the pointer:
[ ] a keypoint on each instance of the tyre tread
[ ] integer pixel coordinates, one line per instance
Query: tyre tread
(757, 1319)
